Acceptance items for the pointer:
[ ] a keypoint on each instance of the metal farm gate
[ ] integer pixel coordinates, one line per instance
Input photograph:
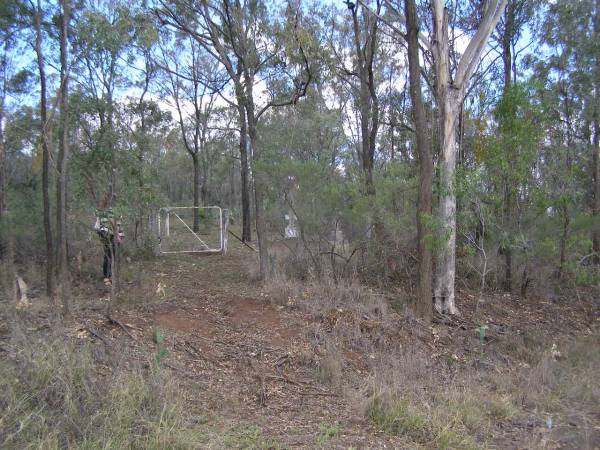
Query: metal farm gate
(189, 229)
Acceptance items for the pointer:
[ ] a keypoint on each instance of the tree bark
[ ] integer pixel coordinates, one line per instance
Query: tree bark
(368, 101)
(507, 211)
(259, 183)
(62, 273)
(448, 98)
(246, 220)
(450, 95)
(196, 164)
(50, 281)
(596, 145)
(2, 181)
(204, 178)
(563, 241)
(446, 264)
(424, 301)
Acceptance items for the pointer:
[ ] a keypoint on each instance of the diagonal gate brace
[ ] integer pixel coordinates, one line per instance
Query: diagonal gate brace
(192, 231)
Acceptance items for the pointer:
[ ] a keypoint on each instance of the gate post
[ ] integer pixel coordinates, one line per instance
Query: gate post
(224, 224)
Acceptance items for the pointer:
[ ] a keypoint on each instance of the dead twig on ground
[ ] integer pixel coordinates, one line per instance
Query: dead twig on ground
(113, 321)
(194, 352)
(97, 335)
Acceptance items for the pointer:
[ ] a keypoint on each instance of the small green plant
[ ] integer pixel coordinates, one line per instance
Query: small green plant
(161, 351)
(327, 432)
(482, 331)
(247, 436)
(397, 416)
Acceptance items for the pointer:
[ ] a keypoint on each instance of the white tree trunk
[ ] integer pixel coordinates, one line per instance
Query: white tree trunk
(446, 264)
(450, 95)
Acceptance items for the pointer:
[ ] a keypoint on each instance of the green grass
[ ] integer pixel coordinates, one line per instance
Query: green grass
(244, 436)
(397, 416)
(53, 396)
(327, 432)
(447, 423)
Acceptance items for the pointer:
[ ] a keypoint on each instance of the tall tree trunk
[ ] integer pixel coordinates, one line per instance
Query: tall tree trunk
(259, 181)
(450, 95)
(259, 189)
(115, 266)
(563, 241)
(62, 273)
(424, 303)
(50, 281)
(231, 202)
(507, 211)
(2, 183)
(446, 264)
(507, 37)
(369, 104)
(196, 165)
(596, 144)
(204, 185)
(449, 99)
(246, 223)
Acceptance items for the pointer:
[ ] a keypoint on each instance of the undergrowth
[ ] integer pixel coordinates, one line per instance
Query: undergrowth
(55, 396)
(439, 402)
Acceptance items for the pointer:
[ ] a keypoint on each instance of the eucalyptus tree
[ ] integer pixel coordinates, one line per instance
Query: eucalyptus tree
(452, 75)
(105, 34)
(12, 81)
(63, 155)
(145, 123)
(253, 48)
(145, 126)
(596, 142)
(569, 158)
(363, 48)
(192, 86)
(423, 144)
(513, 24)
(196, 20)
(37, 15)
(572, 32)
(450, 92)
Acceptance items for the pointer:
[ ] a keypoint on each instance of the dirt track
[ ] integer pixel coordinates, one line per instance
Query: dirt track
(246, 363)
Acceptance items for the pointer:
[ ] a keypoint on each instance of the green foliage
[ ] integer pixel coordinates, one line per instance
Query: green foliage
(23, 221)
(328, 432)
(481, 331)
(512, 149)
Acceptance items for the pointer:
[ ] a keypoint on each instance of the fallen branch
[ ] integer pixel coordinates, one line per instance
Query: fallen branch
(187, 373)
(96, 335)
(313, 390)
(194, 352)
(240, 239)
(114, 321)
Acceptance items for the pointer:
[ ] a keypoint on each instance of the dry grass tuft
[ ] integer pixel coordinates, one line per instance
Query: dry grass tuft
(319, 297)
